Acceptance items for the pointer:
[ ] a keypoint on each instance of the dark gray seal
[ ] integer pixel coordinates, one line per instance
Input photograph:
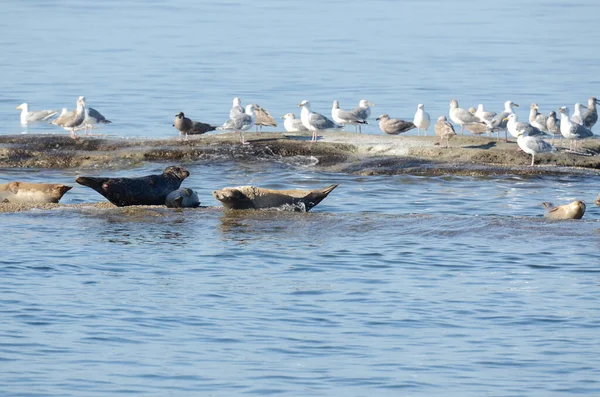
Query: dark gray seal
(182, 198)
(252, 197)
(146, 190)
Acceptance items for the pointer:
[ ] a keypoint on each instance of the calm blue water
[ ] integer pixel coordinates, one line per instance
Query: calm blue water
(392, 286)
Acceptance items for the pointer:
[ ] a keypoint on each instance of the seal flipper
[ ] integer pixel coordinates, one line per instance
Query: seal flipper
(316, 196)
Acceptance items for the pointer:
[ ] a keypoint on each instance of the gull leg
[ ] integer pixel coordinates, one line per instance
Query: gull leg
(73, 135)
(532, 159)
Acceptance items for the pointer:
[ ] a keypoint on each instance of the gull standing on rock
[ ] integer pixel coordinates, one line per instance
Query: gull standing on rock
(444, 130)
(482, 115)
(264, 119)
(461, 116)
(363, 112)
(422, 119)
(292, 124)
(590, 116)
(236, 108)
(186, 126)
(28, 116)
(500, 120)
(577, 116)
(315, 122)
(517, 128)
(72, 120)
(536, 119)
(343, 117)
(553, 125)
(92, 116)
(394, 126)
(571, 130)
(533, 144)
(240, 122)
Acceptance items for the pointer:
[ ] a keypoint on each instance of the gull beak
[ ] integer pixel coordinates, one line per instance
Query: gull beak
(282, 117)
(300, 105)
(516, 104)
(505, 119)
(18, 107)
(377, 119)
(371, 104)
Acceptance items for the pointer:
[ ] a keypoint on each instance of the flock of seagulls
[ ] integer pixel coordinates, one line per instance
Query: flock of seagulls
(478, 121)
(82, 117)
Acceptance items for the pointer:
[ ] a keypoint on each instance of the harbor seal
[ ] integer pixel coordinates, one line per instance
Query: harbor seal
(146, 190)
(182, 198)
(32, 193)
(574, 210)
(251, 197)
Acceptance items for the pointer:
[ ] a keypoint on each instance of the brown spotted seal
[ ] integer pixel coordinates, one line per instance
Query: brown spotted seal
(32, 193)
(251, 197)
(182, 198)
(146, 190)
(574, 210)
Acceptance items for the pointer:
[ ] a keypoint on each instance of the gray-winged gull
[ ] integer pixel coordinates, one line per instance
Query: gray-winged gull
(363, 111)
(571, 130)
(517, 128)
(444, 130)
(263, 119)
(92, 116)
(187, 127)
(292, 124)
(73, 119)
(533, 144)
(236, 108)
(394, 126)
(422, 119)
(30, 116)
(577, 116)
(590, 116)
(483, 115)
(536, 119)
(553, 125)
(343, 117)
(315, 122)
(461, 116)
(241, 122)
(500, 120)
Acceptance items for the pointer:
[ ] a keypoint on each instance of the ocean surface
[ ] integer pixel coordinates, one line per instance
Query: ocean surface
(392, 286)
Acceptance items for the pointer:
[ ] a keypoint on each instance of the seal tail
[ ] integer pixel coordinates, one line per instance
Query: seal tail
(94, 183)
(316, 196)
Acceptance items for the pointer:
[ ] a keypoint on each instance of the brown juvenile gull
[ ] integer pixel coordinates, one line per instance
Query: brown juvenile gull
(394, 126)
(188, 127)
(343, 117)
(536, 119)
(28, 116)
(263, 118)
(444, 130)
(72, 120)
(461, 116)
(590, 116)
(553, 125)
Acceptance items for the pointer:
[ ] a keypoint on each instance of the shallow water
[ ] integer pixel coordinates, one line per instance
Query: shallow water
(393, 285)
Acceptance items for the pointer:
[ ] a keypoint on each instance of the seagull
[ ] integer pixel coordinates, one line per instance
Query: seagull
(236, 109)
(482, 115)
(571, 130)
(241, 122)
(590, 116)
(315, 122)
(188, 127)
(394, 126)
(422, 119)
(32, 116)
(517, 128)
(444, 130)
(537, 119)
(264, 118)
(363, 112)
(461, 116)
(72, 120)
(533, 144)
(577, 116)
(62, 113)
(553, 125)
(343, 117)
(500, 120)
(92, 116)
(292, 124)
